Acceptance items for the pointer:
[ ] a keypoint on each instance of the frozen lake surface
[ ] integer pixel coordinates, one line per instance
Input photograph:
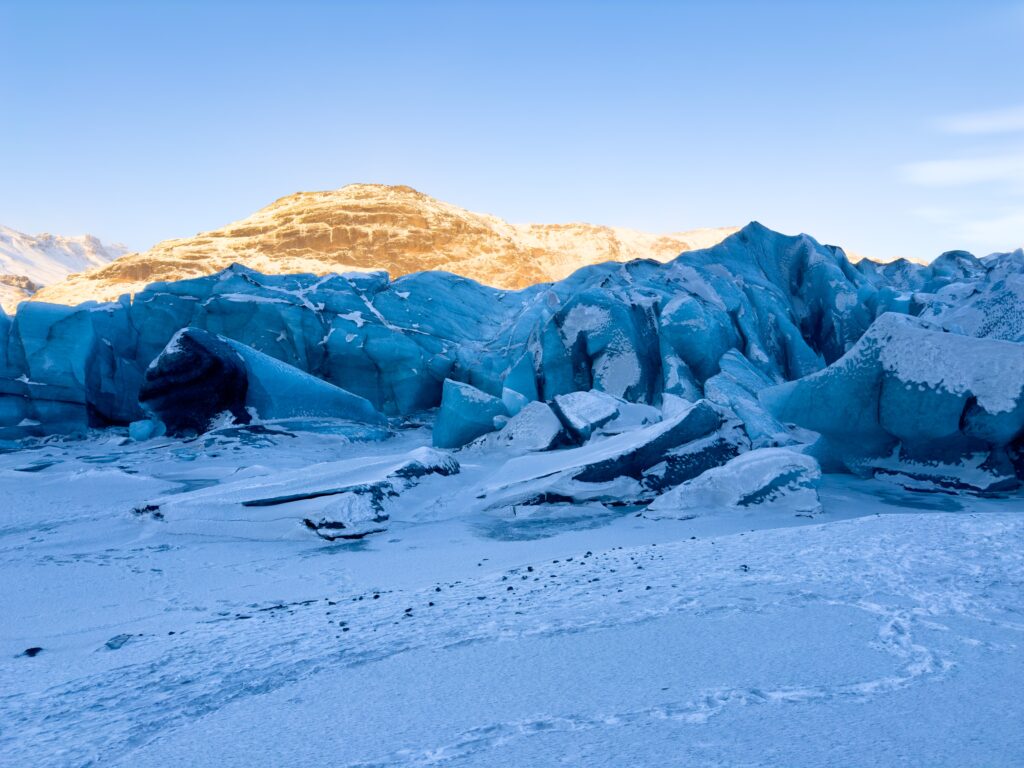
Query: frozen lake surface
(886, 630)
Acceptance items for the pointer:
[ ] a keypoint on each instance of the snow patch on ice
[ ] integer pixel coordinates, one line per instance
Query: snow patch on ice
(919, 355)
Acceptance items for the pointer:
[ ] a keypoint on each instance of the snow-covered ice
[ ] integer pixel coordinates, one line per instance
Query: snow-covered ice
(885, 630)
(778, 330)
(755, 482)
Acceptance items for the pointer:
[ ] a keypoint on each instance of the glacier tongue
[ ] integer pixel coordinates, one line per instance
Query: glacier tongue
(727, 324)
(631, 330)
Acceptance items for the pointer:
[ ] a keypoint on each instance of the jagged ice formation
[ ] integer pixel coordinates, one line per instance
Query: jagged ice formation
(775, 334)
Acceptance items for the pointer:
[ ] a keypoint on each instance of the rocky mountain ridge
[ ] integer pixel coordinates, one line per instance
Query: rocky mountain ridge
(365, 227)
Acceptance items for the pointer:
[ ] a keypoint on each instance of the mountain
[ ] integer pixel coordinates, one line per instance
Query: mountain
(364, 227)
(28, 262)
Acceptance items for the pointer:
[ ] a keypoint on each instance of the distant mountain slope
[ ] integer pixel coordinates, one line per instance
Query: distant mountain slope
(28, 262)
(394, 228)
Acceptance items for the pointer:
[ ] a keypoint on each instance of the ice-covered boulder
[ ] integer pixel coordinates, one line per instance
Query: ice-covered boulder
(612, 468)
(200, 375)
(336, 500)
(770, 479)
(353, 515)
(534, 428)
(907, 384)
(634, 452)
(691, 459)
(944, 468)
(584, 412)
(466, 414)
(364, 509)
(631, 416)
(540, 492)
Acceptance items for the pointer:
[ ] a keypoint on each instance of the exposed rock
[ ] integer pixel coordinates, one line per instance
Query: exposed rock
(534, 428)
(694, 457)
(15, 289)
(351, 512)
(607, 469)
(371, 227)
(28, 262)
(632, 453)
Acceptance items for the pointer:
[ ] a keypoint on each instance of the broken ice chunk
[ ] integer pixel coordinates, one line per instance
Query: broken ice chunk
(768, 478)
(466, 413)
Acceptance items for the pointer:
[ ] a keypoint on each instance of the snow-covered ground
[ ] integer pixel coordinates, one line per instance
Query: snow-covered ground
(885, 630)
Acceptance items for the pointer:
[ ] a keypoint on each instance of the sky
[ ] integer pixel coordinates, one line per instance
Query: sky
(889, 128)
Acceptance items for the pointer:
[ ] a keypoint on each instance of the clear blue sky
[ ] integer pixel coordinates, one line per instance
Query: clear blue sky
(892, 129)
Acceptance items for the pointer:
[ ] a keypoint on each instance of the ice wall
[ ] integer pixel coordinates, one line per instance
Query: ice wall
(724, 323)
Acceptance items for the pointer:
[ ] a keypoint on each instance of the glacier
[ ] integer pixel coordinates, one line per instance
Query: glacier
(776, 330)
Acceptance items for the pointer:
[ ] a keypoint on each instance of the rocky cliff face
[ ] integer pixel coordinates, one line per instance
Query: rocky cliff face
(366, 227)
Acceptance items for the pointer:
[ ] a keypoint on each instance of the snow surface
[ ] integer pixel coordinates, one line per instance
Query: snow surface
(885, 631)
(46, 259)
(950, 362)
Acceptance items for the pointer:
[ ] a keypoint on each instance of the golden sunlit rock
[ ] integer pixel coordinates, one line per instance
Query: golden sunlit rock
(371, 226)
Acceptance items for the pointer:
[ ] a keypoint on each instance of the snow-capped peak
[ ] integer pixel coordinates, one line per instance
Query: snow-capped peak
(28, 262)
